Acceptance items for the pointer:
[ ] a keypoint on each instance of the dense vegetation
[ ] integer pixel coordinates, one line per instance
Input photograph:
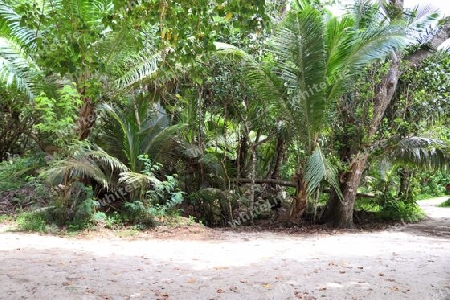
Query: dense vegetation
(230, 112)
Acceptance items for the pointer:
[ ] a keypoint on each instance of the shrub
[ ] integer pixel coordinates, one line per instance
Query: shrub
(75, 209)
(14, 172)
(446, 203)
(32, 221)
(401, 211)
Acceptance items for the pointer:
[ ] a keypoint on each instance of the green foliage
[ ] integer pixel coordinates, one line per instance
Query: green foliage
(14, 172)
(57, 116)
(155, 197)
(428, 90)
(138, 213)
(141, 128)
(75, 210)
(84, 161)
(32, 221)
(396, 210)
(111, 220)
(431, 184)
(446, 203)
(211, 205)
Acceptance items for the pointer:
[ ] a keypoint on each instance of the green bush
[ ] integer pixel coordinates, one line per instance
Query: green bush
(154, 197)
(137, 213)
(14, 172)
(75, 209)
(432, 184)
(401, 211)
(32, 221)
(446, 203)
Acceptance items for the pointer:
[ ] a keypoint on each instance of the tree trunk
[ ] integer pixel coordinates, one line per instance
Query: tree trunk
(279, 154)
(252, 183)
(405, 175)
(299, 203)
(86, 119)
(340, 214)
(242, 156)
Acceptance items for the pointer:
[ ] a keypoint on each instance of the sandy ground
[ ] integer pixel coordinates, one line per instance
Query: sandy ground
(404, 262)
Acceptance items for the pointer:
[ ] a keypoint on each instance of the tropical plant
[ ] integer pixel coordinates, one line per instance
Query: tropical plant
(360, 113)
(317, 56)
(153, 197)
(83, 162)
(141, 128)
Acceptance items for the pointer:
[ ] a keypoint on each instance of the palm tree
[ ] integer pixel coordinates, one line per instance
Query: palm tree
(318, 56)
(356, 153)
(83, 162)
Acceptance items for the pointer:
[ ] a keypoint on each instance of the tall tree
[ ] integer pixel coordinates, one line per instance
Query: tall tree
(319, 56)
(361, 122)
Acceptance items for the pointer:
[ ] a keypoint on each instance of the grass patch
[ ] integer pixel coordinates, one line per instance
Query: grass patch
(446, 203)
(126, 233)
(6, 218)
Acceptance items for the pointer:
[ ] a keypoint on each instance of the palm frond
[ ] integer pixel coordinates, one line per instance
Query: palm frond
(423, 152)
(142, 66)
(11, 27)
(129, 132)
(268, 89)
(70, 169)
(107, 161)
(143, 129)
(300, 49)
(92, 11)
(318, 169)
(140, 182)
(353, 45)
(161, 144)
(17, 68)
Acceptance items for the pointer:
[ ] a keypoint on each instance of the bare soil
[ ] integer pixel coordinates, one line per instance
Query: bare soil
(400, 262)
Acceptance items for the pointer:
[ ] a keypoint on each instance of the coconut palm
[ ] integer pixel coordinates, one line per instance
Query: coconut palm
(317, 56)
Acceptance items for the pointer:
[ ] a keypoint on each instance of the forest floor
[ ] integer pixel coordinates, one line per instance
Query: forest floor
(194, 262)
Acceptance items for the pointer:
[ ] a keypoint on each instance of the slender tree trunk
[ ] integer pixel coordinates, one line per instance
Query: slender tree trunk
(279, 154)
(300, 200)
(242, 156)
(252, 183)
(405, 175)
(200, 132)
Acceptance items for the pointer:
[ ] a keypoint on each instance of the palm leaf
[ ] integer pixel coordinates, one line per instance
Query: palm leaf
(74, 168)
(142, 67)
(17, 68)
(161, 144)
(423, 152)
(318, 169)
(11, 28)
(299, 46)
(139, 182)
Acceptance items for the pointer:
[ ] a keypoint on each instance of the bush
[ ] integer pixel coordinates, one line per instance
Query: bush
(396, 210)
(14, 172)
(75, 209)
(32, 221)
(154, 197)
(446, 203)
